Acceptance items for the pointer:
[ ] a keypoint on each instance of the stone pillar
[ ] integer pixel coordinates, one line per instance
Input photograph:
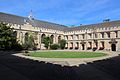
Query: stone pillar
(99, 45)
(86, 45)
(107, 45)
(118, 34)
(39, 40)
(80, 46)
(23, 38)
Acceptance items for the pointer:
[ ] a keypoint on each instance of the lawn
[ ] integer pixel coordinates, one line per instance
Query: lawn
(66, 54)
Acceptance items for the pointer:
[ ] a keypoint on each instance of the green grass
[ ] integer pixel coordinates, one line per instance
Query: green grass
(66, 54)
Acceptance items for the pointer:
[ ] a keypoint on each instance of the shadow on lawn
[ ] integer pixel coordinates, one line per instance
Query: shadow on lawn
(108, 69)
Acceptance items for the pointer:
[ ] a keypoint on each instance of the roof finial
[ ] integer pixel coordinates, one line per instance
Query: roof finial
(31, 16)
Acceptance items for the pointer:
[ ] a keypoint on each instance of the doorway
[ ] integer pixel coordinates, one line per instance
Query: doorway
(113, 47)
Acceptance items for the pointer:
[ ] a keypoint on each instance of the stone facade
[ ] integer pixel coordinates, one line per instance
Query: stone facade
(100, 36)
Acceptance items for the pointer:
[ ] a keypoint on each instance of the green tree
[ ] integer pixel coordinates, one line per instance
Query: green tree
(8, 38)
(30, 41)
(46, 42)
(62, 43)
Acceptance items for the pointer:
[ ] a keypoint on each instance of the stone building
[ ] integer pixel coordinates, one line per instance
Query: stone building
(99, 36)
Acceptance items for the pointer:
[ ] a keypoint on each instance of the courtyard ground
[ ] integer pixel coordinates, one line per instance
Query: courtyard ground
(19, 68)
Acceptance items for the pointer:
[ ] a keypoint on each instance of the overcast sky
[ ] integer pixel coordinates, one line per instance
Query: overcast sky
(66, 12)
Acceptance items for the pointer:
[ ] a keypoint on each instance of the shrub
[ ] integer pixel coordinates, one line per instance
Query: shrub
(62, 43)
(54, 46)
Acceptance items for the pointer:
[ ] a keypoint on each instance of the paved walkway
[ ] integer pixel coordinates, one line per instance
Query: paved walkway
(69, 61)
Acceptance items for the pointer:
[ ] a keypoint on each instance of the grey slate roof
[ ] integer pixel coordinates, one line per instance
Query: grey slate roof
(98, 25)
(9, 18)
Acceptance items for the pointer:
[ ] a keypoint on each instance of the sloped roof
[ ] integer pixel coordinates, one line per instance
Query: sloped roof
(9, 18)
(98, 25)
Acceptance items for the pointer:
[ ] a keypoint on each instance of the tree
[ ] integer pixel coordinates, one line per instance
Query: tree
(46, 42)
(62, 43)
(30, 41)
(8, 38)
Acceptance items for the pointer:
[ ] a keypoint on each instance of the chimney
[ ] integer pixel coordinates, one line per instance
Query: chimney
(106, 20)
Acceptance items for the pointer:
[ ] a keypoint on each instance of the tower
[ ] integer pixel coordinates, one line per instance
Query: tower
(30, 16)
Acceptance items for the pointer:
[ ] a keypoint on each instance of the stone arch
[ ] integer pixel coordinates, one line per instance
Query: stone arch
(26, 37)
(83, 46)
(89, 46)
(15, 34)
(71, 45)
(108, 34)
(59, 38)
(52, 39)
(42, 37)
(66, 46)
(102, 45)
(77, 45)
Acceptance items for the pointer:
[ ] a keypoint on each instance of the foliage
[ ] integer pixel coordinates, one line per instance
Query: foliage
(62, 43)
(46, 42)
(30, 41)
(54, 46)
(8, 40)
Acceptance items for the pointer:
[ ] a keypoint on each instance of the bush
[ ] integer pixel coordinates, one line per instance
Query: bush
(54, 46)
(17, 47)
(62, 43)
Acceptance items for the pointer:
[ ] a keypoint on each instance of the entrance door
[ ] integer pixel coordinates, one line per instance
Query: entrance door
(113, 47)
(83, 47)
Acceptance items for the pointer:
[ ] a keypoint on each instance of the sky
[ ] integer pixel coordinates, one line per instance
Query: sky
(65, 12)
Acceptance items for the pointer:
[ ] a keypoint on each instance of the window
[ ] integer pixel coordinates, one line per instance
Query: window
(102, 35)
(116, 33)
(108, 34)
(83, 36)
(77, 37)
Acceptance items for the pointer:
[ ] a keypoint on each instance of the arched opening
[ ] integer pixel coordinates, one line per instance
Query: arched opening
(59, 38)
(102, 45)
(83, 47)
(77, 45)
(113, 47)
(52, 39)
(15, 34)
(89, 46)
(71, 45)
(66, 46)
(42, 38)
(26, 37)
